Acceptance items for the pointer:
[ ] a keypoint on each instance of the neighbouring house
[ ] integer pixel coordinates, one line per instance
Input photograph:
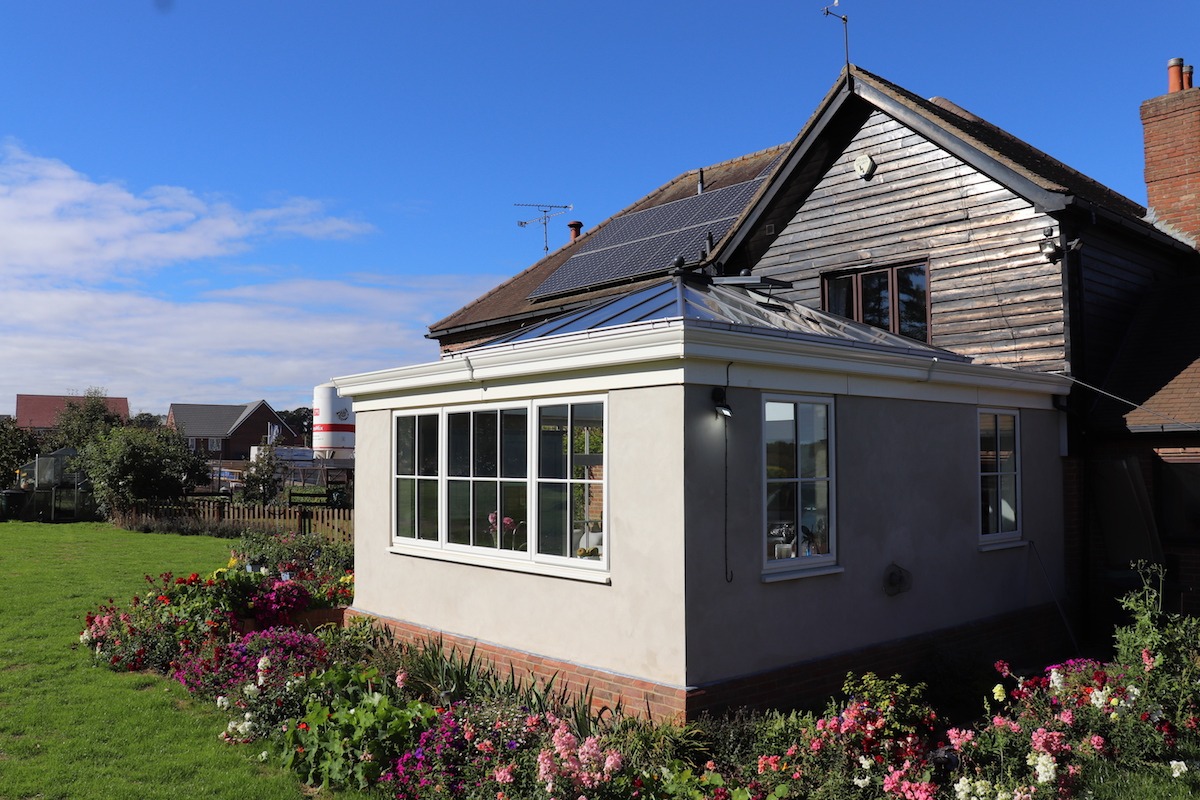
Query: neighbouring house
(832, 405)
(39, 412)
(227, 432)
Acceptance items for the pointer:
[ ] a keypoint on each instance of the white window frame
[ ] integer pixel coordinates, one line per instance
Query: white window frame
(214, 444)
(800, 566)
(1000, 537)
(529, 560)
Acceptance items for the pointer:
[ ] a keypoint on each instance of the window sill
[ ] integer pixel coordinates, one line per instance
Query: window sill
(1004, 544)
(508, 565)
(795, 573)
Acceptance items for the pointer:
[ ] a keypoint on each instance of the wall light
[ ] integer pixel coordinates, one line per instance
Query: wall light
(722, 406)
(1050, 251)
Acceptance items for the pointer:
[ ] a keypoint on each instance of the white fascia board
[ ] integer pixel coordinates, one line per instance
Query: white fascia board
(676, 351)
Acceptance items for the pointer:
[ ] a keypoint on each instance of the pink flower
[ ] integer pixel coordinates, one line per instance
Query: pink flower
(959, 738)
(1003, 668)
(768, 764)
(1148, 660)
(1097, 742)
(1067, 717)
(503, 774)
(401, 677)
(816, 745)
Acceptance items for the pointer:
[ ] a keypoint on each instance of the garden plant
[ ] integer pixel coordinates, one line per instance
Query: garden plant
(349, 707)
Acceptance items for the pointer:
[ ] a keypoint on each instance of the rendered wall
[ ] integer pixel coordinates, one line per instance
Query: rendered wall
(906, 493)
(635, 626)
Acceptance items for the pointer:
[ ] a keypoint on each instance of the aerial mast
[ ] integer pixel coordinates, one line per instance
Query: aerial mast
(548, 211)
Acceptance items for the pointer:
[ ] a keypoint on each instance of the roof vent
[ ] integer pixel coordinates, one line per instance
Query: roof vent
(576, 226)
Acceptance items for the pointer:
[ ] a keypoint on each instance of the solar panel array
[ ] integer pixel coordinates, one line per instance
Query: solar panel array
(648, 241)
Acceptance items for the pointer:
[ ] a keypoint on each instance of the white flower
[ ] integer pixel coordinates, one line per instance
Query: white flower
(264, 664)
(250, 690)
(1178, 768)
(1057, 680)
(1044, 766)
(865, 762)
(1132, 693)
(222, 702)
(264, 755)
(862, 783)
(1100, 697)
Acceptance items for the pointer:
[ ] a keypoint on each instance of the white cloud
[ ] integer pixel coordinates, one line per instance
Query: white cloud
(90, 296)
(58, 224)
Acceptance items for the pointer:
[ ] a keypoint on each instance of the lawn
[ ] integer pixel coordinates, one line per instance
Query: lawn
(72, 730)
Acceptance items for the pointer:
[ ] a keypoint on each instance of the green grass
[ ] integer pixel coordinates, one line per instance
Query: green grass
(69, 729)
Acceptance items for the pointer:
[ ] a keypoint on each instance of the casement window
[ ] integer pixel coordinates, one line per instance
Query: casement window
(895, 298)
(523, 481)
(798, 458)
(214, 445)
(999, 475)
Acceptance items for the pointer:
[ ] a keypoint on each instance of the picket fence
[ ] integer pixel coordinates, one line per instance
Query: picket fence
(335, 524)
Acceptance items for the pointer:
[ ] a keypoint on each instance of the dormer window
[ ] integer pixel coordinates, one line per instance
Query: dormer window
(895, 298)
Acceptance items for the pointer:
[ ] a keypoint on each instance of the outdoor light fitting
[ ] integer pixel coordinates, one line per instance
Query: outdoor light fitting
(722, 406)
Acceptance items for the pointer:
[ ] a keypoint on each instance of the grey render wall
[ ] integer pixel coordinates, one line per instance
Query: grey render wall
(907, 493)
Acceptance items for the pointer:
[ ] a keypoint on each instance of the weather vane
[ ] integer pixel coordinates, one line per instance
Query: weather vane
(547, 210)
(845, 29)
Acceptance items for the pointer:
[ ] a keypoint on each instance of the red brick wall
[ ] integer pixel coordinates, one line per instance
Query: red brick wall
(1029, 639)
(1171, 125)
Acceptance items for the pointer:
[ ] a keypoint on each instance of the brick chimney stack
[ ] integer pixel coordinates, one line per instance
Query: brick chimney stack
(1171, 127)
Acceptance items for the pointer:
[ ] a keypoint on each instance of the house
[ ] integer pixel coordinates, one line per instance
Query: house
(826, 406)
(39, 412)
(227, 432)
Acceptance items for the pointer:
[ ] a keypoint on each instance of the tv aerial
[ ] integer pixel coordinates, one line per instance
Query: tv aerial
(548, 211)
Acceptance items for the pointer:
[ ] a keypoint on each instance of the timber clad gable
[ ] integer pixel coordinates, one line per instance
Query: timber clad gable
(993, 295)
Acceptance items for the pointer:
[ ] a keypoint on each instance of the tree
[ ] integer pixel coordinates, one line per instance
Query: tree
(261, 480)
(144, 419)
(82, 420)
(17, 446)
(300, 421)
(131, 466)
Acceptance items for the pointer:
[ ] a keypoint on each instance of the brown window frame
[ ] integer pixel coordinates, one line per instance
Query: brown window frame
(856, 275)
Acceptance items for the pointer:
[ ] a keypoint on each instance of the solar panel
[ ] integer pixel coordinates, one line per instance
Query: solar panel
(650, 240)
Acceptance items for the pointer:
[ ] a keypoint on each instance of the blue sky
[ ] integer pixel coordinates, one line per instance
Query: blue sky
(217, 201)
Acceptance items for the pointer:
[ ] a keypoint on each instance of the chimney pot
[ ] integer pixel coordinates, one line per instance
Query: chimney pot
(1174, 75)
(576, 226)
(1187, 77)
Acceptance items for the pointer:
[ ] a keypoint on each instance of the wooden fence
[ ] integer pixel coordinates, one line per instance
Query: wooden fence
(335, 524)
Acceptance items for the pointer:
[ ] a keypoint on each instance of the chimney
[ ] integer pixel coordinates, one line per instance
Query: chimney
(576, 226)
(1171, 129)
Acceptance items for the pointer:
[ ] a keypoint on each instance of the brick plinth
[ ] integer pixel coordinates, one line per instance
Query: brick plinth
(1032, 638)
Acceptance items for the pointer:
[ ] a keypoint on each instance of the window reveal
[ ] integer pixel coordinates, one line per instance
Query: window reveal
(463, 479)
(798, 481)
(999, 471)
(895, 299)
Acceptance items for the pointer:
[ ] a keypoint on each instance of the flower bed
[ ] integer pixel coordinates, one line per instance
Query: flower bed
(346, 706)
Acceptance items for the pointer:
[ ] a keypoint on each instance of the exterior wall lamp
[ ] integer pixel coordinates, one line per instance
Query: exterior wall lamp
(721, 404)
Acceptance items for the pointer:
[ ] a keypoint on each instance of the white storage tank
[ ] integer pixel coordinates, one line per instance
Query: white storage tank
(333, 424)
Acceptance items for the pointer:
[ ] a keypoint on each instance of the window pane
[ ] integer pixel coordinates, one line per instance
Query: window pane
(989, 499)
(552, 519)
(911, 298)
(427, 444)
(587, 438)
(1006, 443)
(839, 296)
(552, 442)
(781, 520)
(458, 439)
(987, 443)
(587, 514)
(814, 518)
(511, 526)
(1008, 504)
(427, 510)
(486, 513)
(514, 449)
(485, 443)
(406, 506)
(459, 511)
(406, 445)
(781, 440)
(876, 300)
(814, 440)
